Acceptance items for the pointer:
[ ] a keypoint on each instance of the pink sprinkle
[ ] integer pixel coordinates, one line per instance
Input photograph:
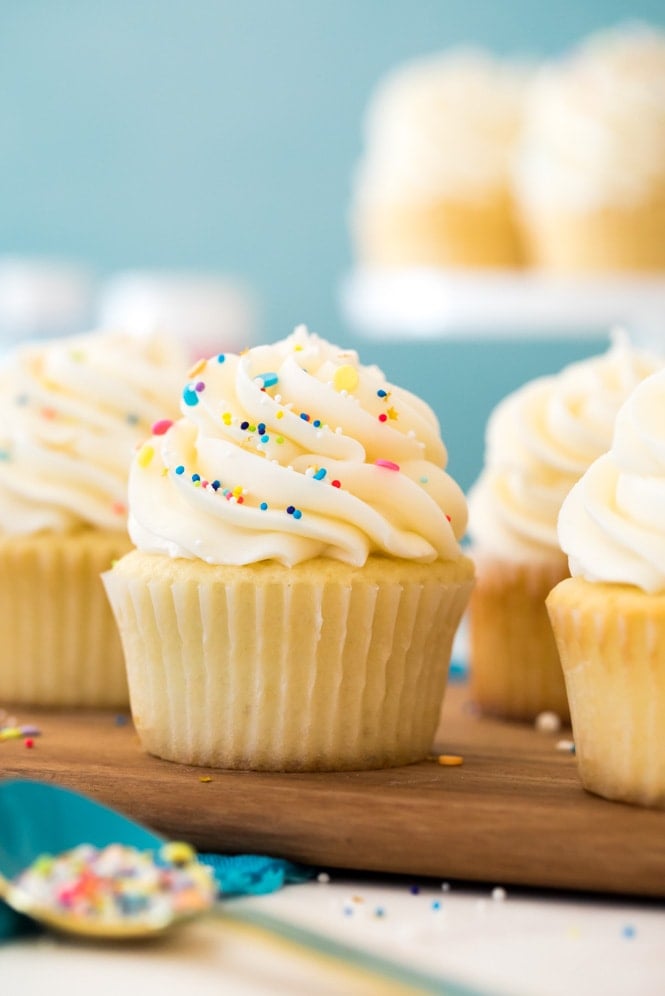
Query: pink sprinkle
(159, 428)
(388, 464)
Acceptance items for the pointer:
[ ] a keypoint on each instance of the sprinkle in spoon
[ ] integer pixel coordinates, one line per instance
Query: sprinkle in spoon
(125, 882)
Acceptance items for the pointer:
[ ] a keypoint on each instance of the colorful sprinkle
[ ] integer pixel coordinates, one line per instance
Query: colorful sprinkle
(221, 358)
(383, 417)
(119, 508)
(190, 396)
(180, 469)
(263, 506)
(216, 485)
(297, 514)
(392, 414)
(244, 425)
(267, 379)
(29, 742)
(346, 378)
(198, 367)
(450, 760)
(388, 464)
(196, 477)
(305, 417)
(280, 414)
(161, 427)
(145, 455)
(381, 393)
(290, 509)
(320, 474)
(336, 484)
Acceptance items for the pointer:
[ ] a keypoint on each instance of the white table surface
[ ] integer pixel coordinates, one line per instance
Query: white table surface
(524, 944)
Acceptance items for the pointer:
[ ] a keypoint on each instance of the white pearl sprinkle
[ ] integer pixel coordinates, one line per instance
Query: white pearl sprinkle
(323, 878)
(498, 894)
(547, 722)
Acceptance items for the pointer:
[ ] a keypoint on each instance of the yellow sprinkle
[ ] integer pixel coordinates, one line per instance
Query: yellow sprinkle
(450, 760)
(280, 414)
(345, 378)
(178, 853)
(279, 439)
(197, 368)
(237, 490)
(197, 484)
(226, 418)
(10, 733)
(297, 349)
(146, 453)
(391, 413)
(205, 778)
(165, 471)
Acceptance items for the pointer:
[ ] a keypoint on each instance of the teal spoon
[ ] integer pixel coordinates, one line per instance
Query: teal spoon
(37, 818)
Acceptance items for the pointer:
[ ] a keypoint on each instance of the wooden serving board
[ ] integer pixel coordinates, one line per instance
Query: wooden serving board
(513, 813)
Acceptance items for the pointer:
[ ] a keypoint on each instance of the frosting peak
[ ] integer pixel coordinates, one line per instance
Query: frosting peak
(72, 411)
(293, 451)
(612, 524)
(540, 440)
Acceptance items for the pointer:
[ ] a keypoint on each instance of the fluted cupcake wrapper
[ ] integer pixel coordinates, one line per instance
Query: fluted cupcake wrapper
(60, 645)
(270, 668)
(612, 644)
(514, 663)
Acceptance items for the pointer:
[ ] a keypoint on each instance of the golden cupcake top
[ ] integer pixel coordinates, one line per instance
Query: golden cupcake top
(539, 441)
(292, 451)
(72, 412)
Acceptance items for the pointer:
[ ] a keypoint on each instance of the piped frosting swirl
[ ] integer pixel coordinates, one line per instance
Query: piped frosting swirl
(293, 451)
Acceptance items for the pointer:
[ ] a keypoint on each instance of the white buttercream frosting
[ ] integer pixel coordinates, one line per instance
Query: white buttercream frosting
(539, 442)
(72, 412)
(594, 132)
(293, 451)
(445, 125)
(612, 524)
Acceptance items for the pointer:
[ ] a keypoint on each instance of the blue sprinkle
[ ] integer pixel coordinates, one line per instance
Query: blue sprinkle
(244, 425)
(268, 379)
(215, 485)
(414, 890)
(190, 397)
(297, 514)
(221, 358)
(290, 509)
(628, 931)
(196, 477)
(261, 428)
(264, 438)
(180, 469)
(381, 393)
(436, 905)
(320, 474)
(304, 416)
(379, 911)
(263, 506)
(317, 423)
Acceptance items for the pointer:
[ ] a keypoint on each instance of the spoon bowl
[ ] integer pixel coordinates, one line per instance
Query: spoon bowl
(38, 818)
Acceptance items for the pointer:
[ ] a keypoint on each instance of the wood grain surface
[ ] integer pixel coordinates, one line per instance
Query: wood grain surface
(512, 813)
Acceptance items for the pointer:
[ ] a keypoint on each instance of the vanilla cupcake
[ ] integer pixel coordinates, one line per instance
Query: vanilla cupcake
(540, 440)
(72, 412)
(609, 617)
(434, 185)
(298, 578)
(590, 179)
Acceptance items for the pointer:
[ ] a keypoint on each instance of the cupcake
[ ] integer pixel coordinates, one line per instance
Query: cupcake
(539, 442)
(590, 178)
(434, 185)
(72, 412)
(609, 617)
(298, 579)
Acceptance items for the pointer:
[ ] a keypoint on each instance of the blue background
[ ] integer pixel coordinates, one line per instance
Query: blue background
(218, 134)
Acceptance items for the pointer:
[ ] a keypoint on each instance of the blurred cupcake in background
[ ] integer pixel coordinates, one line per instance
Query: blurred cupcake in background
(590, 178)
(72, 412)
(433, 186)
(540, 440)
